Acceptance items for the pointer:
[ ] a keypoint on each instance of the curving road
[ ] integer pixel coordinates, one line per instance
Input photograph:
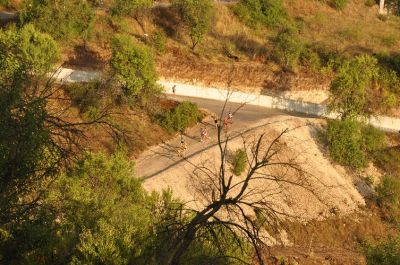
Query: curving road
(164, 156)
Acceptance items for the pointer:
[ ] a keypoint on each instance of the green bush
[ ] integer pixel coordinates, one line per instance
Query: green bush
(346, 143)
(369, 3)
(388, 198)
(197, 18)
(389, 160)
(373, 139)
(69, 19)
(386, 252)
(4, 2)
(239, 162)
(339, 4)
(270, 13)
(134, 67)
(160, 41)
(287, 47)
(85, 96)
(179, 118)
(310, 58)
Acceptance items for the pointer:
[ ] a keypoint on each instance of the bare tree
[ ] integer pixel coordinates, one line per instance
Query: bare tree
(244, 206)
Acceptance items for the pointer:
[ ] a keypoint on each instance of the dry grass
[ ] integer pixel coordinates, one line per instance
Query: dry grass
(357, 28)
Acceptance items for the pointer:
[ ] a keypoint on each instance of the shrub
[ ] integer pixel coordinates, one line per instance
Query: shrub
(159, 41)
(69, 19)
(389, 160)
(346, 143)
(288, 47)
(388, 198)
(197, 18)
(134, 67)
(179, 118)
(369, 3)
(85, 96)
(268, 13)
(386, 252)
(310, 58)
(339, 4)
(350, 88)
(239, 162)
(4, 2)
(373, 139)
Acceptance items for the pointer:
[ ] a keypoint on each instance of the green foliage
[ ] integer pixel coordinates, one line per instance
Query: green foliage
(388, 159)
(62, 20)
(180, 118)
(310, 58)
(270, 13)
(373, 139)
(369, 3)
(388, 198)
(160, 41)
(239, 162)
(134, 67)
(350, 87)
(130, 7)
(104, 216)
(25, 51)
(204, 250)
(287, 47)
(386, 252)
(87, 97)
(4, 2)
(339, 4)
(197, 17)
(362, 87)
(346, 143)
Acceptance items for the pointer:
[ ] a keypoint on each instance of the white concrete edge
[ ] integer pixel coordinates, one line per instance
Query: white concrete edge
(385, 123)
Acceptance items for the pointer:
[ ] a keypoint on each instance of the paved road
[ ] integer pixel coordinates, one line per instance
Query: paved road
(162, 157)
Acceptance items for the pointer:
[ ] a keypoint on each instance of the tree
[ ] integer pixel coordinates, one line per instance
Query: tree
(61, 19)
(134, 8)
(288, 47)
(238, 207)
(197, 17)
(350, 87)
(26, 51)
(38, 140)
(133, 67)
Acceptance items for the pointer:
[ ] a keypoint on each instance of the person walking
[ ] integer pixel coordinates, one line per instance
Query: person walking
(174, 89)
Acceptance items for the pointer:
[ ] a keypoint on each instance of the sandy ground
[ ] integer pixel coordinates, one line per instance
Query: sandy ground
(333, 190)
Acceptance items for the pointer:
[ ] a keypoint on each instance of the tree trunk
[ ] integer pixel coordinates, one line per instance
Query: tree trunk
(382, 7)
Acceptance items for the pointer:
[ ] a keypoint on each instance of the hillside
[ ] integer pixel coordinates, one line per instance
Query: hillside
(120, 171)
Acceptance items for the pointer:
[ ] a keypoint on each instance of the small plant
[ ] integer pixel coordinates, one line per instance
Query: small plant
(339, 4)
(373, 139)
(239, 162)
(255, 13)
(179, 118)
(369, 3)
(388, 198)
(386, 252)
(346, 143)
(288, 47)
(160, 41)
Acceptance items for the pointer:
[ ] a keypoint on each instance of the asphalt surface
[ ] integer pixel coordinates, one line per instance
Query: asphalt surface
(165, 156)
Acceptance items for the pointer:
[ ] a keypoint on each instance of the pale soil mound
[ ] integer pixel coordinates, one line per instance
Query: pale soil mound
(331, 190)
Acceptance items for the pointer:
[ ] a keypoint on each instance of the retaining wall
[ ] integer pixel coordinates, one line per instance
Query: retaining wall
(383, 122)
